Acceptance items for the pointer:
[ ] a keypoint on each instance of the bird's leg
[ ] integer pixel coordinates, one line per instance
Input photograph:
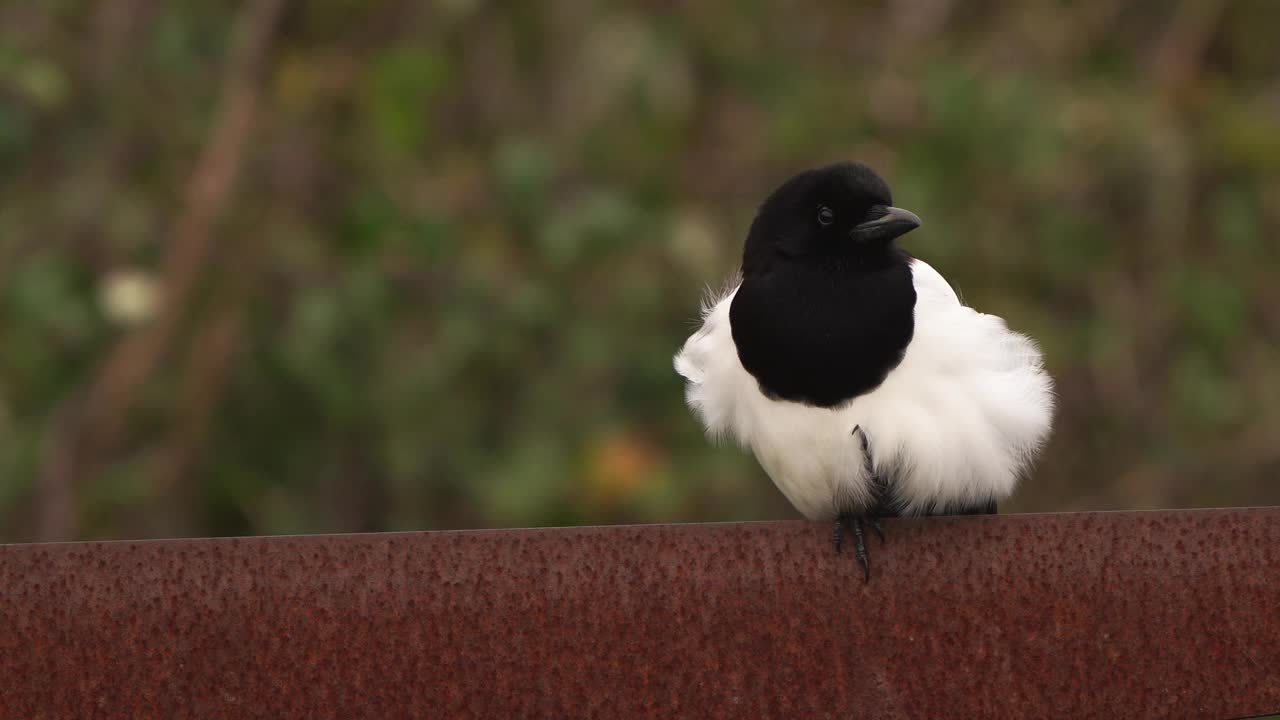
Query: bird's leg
(854, 524)
(855, 521)
(861, 548)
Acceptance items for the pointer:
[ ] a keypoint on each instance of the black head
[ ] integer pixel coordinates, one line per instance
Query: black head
(839, 211)
(826, 306)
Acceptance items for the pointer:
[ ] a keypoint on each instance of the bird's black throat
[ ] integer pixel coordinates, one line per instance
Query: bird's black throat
(825, 331)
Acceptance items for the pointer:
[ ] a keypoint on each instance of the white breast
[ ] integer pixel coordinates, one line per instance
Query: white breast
(956, 423)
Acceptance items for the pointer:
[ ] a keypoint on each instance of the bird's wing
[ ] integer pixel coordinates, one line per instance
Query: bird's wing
(931, 282)
(708, 361)
(958, 421)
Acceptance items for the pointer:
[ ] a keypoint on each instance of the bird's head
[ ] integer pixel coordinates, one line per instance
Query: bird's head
(828, 214)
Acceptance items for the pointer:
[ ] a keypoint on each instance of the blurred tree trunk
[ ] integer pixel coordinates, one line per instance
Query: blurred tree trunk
(109, 400)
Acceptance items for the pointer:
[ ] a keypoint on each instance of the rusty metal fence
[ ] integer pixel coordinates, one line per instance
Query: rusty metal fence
(1091, 615)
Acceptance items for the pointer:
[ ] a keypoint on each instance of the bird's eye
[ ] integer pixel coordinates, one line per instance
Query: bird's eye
(825, 216)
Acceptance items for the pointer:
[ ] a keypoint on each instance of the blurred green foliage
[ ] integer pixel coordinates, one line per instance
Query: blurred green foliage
(465, 239)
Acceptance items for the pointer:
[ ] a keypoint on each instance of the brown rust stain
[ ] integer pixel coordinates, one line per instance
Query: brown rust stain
(1095, 615)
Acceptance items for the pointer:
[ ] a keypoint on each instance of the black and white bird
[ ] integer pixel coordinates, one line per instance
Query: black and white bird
(864, 386)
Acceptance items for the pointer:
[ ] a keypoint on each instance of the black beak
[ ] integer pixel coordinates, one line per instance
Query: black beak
(889, 223)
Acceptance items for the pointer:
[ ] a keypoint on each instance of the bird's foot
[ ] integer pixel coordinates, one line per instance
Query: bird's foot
(855, 524)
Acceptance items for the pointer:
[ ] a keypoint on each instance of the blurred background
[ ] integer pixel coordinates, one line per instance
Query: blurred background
(273, 267)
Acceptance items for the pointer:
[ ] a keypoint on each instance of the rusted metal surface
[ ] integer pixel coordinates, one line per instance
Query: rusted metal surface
(1095, 615)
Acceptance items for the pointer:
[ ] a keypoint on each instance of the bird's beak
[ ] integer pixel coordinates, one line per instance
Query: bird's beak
(889, 225)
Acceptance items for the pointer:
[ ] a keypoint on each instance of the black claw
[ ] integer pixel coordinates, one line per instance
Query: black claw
(874, 522)
(861, 549)
(855, 525)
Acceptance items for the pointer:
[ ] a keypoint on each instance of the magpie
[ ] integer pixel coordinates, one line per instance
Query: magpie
(852, 370)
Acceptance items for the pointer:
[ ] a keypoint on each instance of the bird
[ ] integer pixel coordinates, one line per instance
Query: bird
(853, 371)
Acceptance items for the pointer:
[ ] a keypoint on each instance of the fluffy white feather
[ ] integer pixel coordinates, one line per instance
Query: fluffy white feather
(955, 424)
